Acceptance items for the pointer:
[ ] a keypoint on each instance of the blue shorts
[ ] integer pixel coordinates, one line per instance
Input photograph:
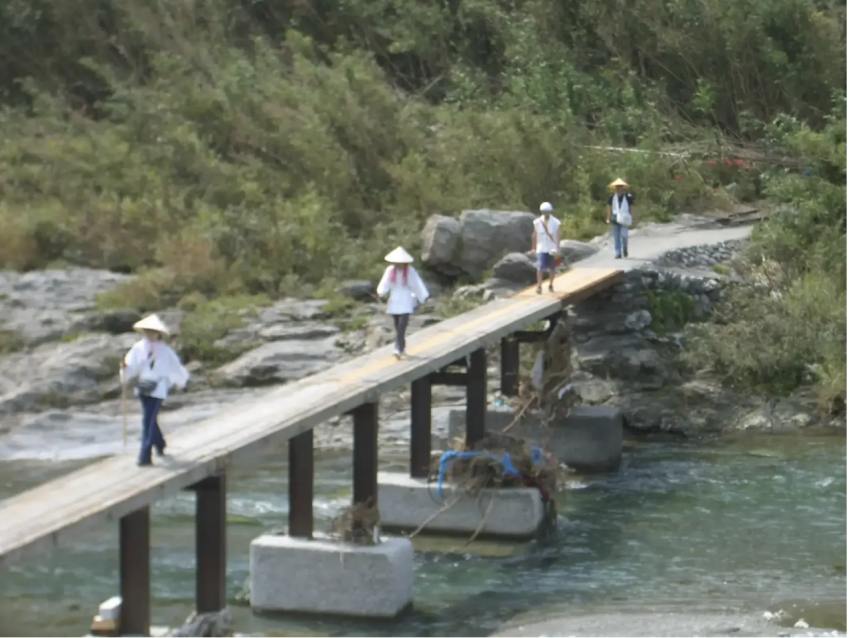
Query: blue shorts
(545, 261)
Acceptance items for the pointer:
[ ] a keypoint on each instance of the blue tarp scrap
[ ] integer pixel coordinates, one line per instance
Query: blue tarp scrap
(507, 464)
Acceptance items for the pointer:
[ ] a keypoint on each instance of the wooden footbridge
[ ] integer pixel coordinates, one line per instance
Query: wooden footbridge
(116, 489)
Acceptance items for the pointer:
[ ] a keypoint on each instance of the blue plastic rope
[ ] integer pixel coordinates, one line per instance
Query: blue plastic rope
(507, 464)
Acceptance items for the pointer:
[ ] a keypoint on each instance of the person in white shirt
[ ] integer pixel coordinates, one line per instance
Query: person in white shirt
(406, 290)
(546, 243)
(155, 368)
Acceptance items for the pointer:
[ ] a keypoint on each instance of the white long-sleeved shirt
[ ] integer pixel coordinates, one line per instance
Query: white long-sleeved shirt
(157, 361)
(403, 297)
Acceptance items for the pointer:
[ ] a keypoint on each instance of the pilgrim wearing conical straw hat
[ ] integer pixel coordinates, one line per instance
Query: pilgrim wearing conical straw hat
(399, 256)
(155, 368)
(620, 215)
(405, 289)
(151, 323)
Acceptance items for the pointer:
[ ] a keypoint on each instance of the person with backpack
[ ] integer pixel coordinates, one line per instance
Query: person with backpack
(155, 368)
(546, 244)
(620, 216)
(406, 290)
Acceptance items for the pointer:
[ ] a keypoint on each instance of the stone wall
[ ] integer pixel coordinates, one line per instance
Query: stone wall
(622, 357)
(706, 256)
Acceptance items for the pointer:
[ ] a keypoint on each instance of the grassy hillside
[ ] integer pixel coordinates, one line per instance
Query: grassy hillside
(273, 146)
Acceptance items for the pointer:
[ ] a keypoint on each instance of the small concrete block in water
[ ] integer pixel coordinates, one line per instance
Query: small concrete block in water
(407, 502)
(590, 438)
(328, 577)
(110, 609)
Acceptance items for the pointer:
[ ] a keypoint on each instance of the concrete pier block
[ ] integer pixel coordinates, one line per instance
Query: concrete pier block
(328, 577)
(589, 440)
(406, 503)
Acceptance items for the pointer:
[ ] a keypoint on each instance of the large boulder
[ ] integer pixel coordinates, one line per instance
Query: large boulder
(516, 268)
(43, 306)
(77, 372)
(572, 250)
(476, 241)
(440, 239)
(279, 361)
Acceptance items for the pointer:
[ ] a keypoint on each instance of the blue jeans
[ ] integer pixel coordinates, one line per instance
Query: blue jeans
(621, 239)
(151, 434)
(545, 261)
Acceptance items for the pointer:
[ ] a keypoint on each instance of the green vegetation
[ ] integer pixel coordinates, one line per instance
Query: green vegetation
(10, 341)
(452, 307)
(670, 310)
(223, 149)
(787, 326)
(206, 322)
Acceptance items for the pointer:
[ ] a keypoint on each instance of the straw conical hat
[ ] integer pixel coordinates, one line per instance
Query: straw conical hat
(151, 322)
(618, 182)
(399, 256)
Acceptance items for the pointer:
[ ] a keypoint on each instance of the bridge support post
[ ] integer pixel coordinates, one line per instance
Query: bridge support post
(420, 427)
(211, 544)
(301, 485)
(135, 572)
(365, 452)
(510, 366)
(476, 396)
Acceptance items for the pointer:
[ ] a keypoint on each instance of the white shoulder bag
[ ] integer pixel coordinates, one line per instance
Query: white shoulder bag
(622, 215)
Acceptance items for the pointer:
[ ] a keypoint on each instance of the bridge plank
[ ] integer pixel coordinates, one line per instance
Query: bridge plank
(46, 516)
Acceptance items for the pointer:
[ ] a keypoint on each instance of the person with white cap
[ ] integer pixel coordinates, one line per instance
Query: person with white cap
(156, 368)
(405, 289)
(620, 216)
(546, 244)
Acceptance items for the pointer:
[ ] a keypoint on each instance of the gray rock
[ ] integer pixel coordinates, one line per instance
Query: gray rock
(296, 332)
(475, 242)
(293, 309)
(474, 291)
(627, 357)
(516, 268)
(573, 251)
(56, 375)
(41, 306)
(592, 390)
(212, 624)
(360, 290)
(114, 322)
(639, 320)
(278, 362)
(440, 243)
(487, 236)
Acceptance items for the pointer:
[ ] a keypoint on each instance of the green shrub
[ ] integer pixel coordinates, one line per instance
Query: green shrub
(206, 322)
(10, 341)
(671, 310)
(786, 327)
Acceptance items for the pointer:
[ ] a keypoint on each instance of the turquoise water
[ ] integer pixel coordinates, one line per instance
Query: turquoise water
(755, 524)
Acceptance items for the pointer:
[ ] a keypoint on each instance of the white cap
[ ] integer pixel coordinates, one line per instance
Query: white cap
(151, 322)
(399, 256)
(545, 207)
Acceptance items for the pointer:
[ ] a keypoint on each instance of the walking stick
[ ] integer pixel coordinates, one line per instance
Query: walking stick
(124, 405)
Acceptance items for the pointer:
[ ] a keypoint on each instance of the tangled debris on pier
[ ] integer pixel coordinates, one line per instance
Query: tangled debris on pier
(546, 390)
(357, 523)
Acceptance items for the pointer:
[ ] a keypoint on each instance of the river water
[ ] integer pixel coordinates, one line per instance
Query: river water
(750, 524)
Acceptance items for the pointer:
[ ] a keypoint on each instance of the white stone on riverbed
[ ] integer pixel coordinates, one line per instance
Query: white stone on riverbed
(328, 577)
(406, 503)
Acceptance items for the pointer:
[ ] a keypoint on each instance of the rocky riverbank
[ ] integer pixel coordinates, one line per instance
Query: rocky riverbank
(59, 354)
